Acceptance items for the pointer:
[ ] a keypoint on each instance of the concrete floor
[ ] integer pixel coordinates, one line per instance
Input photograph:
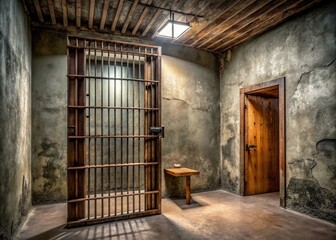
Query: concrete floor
(212, 215)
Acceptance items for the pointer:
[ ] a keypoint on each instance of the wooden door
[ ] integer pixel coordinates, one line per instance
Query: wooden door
(261, 144)
(114, 155)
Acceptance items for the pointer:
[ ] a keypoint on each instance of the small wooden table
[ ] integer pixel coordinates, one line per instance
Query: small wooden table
(183, 172)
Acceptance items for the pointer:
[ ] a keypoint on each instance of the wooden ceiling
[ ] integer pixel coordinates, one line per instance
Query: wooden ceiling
(219, 25)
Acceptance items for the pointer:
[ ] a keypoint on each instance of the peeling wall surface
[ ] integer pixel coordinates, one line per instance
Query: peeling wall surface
(303, 50)
(15, 117)
(190, 113)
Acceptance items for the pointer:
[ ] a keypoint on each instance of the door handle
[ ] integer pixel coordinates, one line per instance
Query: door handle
(248, 147)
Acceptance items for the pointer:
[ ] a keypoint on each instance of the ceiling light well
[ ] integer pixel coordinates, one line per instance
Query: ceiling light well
(173, 29)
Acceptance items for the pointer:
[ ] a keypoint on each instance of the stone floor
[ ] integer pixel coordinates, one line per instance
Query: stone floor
(212, 215)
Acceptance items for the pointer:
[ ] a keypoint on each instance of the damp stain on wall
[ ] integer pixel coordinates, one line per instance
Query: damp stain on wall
(311, 191)
(48, 178)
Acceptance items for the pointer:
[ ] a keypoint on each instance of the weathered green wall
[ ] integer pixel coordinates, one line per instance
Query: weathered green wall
(303, 50)
(15, 116)
(190, 112)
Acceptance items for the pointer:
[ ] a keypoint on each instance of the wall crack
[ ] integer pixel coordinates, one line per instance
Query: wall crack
(313, 69)
(192, 107)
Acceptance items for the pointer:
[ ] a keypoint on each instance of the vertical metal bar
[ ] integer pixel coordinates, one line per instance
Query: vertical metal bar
(109, 130)
(127, 132)
(154, 141)
(102, 127)
(133, 132)
(121, 127)
(115, 129)
(95, 128)
(152, 123)
(76, 123)
(145, 128)
(139, 133)
(89, 128)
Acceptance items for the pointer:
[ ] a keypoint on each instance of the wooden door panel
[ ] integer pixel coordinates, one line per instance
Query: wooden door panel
(262, 131)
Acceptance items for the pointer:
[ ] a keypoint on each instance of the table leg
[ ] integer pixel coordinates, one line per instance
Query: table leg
(188, 190)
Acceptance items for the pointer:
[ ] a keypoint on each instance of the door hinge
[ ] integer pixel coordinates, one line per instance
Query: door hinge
(245, 106)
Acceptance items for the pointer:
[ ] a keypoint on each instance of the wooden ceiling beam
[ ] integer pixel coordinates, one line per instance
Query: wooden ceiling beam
(38, 10)
(129, 16)
(52, 12)
(78, 13)
(265, 16)
(104, 14)
(156, 15)
(194, 31)
(117, 15)
(265, 25)
(65, 13)
(232, 13)
(142, 16)
(91, 13)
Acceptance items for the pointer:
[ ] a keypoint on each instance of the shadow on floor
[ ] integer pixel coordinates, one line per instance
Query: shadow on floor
(140, 228)
(181, 203)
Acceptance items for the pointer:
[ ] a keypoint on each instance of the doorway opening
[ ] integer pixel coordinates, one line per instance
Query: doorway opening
(262, 139)
(114, 159)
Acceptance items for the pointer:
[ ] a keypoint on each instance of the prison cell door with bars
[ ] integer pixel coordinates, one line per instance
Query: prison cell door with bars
(114, 159)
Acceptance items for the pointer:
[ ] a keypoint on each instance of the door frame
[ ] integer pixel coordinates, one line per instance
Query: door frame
(280, 83)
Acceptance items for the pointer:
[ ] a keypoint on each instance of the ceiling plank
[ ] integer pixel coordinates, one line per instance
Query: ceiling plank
(252, 11)
(216, 16)
(104, 14)
(65, 13)
(78, 13)
(38, 10)
(269, 13)
(232, 13)
(52, 12)
(265, 25)
(129, 16)
(156, 15)
(91, 13)
(142, 16)
(117, 15)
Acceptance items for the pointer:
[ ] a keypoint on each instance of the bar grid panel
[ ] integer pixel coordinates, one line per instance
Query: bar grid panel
(114, 161)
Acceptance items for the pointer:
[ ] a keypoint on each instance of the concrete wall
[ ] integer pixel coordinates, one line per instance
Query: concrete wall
(303, 50)
(190, 112)
(49, 118)
(15, 116)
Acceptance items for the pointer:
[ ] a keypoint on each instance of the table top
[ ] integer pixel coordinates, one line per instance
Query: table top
(181, 172)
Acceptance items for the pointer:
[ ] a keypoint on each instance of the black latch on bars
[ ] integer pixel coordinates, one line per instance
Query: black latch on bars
(158, 130)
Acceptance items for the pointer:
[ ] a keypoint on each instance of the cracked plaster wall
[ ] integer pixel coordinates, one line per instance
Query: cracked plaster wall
(303, 50)
(15, 117)
(190, 113)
